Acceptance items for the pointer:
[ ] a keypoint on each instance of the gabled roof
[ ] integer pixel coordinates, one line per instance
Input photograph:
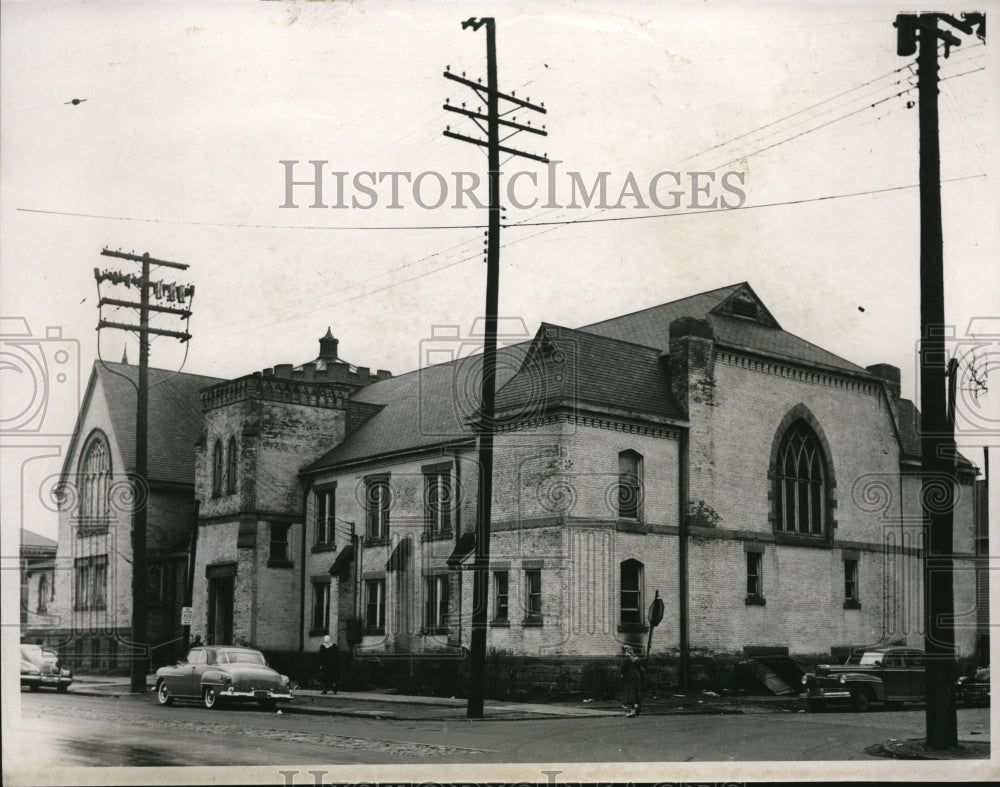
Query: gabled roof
(651, 327)
(175, 417)
(580, 370)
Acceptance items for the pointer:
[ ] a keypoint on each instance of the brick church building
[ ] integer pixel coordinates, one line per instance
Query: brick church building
(767, 490)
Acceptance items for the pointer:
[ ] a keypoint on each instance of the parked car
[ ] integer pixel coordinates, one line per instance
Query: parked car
(974, 689)
(891, 675)
(40, 667)
(222, 674)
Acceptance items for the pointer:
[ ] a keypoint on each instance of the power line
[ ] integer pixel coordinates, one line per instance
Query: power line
(797, 112)
(734, 209)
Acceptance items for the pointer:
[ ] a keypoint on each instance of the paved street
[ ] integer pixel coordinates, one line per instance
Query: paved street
(80, 730)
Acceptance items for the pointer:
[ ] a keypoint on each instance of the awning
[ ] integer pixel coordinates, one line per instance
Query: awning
(399, 560)
(466, 546)
(344, 559)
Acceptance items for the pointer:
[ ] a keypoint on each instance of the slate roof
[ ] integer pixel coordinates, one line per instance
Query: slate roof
(433, 406)
(175, 417)
(574, 368)
(651, 327)
(36, 544)
(909, 434)
(420, 409)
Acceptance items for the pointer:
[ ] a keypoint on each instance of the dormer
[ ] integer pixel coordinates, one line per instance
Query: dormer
(743, 304)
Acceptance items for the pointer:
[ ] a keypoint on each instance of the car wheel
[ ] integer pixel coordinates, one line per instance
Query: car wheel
(861, 699)
(817, 706)
(163, 695)
(211, 697)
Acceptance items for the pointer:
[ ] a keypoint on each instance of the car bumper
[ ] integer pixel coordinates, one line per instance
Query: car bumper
(820, 693)
(258, 694)
(45, 680)
(974, 695)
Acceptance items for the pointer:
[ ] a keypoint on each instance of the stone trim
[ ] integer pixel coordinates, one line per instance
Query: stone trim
(776, 368)
(597, 422)
(274, 389)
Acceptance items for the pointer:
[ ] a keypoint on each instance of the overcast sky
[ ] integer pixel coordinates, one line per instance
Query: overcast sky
(190, 108)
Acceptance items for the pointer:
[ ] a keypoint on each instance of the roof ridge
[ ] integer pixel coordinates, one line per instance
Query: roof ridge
(729, 287)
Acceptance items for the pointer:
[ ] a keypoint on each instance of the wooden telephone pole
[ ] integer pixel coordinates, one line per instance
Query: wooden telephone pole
(937, 454)
(173, 293)
(494, 119)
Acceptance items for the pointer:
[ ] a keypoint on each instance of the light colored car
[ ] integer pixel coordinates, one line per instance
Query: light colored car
(222, 674)
(40, 667)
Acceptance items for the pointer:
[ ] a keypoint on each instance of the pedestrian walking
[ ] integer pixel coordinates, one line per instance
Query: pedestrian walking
(329, 665)
(634, 678)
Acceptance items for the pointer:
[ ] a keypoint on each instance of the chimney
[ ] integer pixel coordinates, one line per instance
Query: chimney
(692, 362)
(888, 374)
(328, 347)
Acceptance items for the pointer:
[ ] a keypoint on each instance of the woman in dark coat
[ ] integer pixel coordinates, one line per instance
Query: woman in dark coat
(634, 677)
(329, 665)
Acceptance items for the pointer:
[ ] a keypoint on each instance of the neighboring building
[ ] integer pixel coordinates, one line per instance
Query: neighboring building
(38, 561)
(93, 596)
(767, 489)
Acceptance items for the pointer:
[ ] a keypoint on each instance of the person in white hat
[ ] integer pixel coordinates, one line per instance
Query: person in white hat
(329, 665)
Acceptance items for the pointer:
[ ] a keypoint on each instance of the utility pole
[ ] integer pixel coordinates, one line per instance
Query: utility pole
(494, 120)
(937, 448)
(173, 293)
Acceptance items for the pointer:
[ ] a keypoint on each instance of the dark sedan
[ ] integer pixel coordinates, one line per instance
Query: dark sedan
(891, 675)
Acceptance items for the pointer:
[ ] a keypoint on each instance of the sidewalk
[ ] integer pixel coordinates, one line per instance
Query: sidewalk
(390, 705)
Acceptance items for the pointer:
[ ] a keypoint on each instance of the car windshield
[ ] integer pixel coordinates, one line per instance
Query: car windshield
(244, 657)
(871, 657)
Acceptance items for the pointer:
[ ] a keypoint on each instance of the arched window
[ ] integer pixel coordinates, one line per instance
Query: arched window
(95, 481)
(801, 482)
(629, 485)
(217, 469)
(231, 467)
(630, 593)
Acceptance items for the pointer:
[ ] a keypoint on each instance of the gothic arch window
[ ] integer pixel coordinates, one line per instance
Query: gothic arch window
(231, 467)
(217, 469)
(802, 482)
(95, 480)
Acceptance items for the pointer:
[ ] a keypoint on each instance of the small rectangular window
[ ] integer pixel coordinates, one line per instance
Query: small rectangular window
(851, 590)
(320, 607)
(378, 501)
(755, 586)
(501, 598)
(630, 485)
(533, 595)
(326, 509)
(374, 604)
(437, 503)
(279, 543)
(630, 596)
(436, 603)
